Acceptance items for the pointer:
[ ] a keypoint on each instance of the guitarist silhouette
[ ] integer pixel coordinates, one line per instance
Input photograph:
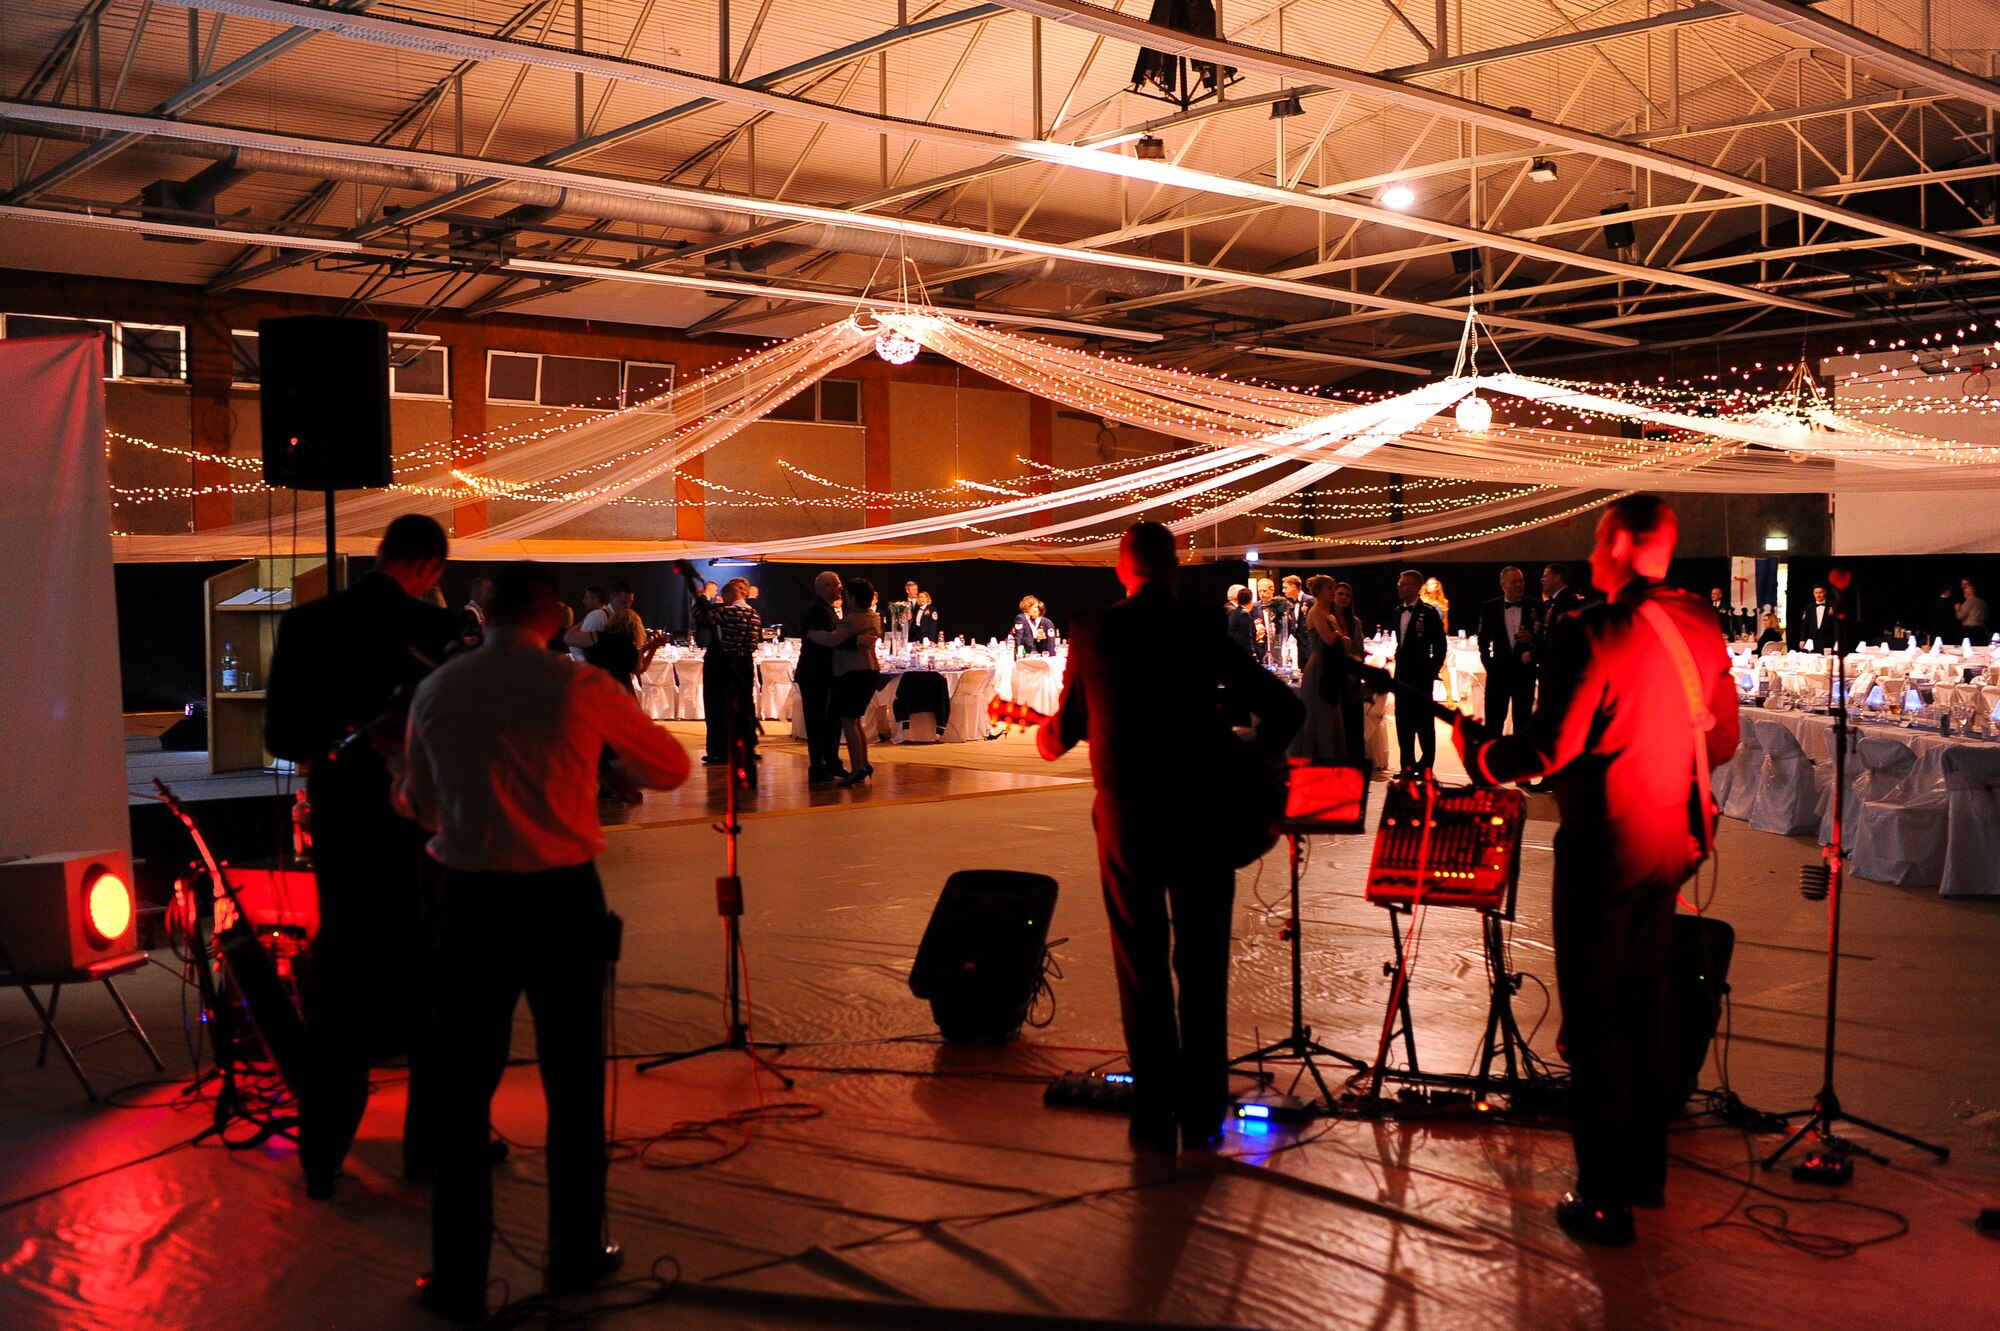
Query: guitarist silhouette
(1149, 683)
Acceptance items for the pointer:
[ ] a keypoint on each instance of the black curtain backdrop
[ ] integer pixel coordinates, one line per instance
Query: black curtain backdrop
(160, 606)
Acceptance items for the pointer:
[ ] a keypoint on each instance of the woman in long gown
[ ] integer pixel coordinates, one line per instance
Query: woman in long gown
(1432, 595)
(1324, 686)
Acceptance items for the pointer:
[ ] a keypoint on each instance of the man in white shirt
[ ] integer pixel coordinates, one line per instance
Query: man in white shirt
(501, 764)
(596, 618)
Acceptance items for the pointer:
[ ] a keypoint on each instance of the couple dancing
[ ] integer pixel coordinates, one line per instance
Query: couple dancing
(838, 674)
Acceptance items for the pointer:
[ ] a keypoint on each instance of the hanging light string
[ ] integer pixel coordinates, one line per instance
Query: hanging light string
(1256, 447)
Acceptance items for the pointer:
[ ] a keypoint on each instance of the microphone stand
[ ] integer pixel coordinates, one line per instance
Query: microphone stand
(1830, 1163)
(738, 727)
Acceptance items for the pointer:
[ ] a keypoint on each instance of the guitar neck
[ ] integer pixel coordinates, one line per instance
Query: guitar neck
(1380, 680)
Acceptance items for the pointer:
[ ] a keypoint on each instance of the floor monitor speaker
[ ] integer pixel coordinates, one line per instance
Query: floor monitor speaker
(324, 400)
(980, 963)
(1698, 978)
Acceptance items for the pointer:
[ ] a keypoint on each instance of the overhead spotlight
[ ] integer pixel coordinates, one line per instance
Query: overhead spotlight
(1398, 196)
(1150, 148)
(1542, 170)
(1286, 107)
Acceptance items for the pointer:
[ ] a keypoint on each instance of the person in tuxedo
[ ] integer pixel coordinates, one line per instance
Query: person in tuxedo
(1420, 655)
(1725, 615)
(1276, 620)
(1294, 589)
(1033, 631)
(814, 678)
(704, 632)
(1637, 702)
(924, 619)
(1149, 684)
(338, 668)
(1507, 628)
(1814, 626)
(1242, 622)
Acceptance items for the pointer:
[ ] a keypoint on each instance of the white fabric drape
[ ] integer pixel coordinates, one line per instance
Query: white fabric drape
(1256, 446)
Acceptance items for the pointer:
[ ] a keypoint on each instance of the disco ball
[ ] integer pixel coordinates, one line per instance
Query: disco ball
(897, 348)
(1474, 414)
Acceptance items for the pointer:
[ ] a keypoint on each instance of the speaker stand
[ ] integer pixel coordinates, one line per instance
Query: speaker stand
(332, 560)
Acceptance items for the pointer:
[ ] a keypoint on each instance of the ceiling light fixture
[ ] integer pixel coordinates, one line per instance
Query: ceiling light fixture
(1542, 170)
(896, 347)
(1286, 107)
(1150, 148)
(1474, 414)
(1398, 196)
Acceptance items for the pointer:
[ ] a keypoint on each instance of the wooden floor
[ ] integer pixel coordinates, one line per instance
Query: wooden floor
(904, 774)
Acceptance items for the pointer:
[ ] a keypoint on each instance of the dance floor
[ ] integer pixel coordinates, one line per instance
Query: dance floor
(905, 1182)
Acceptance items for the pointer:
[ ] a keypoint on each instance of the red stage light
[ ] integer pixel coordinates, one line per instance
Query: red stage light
(107, 908)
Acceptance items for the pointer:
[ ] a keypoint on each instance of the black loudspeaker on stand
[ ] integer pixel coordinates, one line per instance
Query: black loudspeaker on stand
(323, 388)
(1830, 1162)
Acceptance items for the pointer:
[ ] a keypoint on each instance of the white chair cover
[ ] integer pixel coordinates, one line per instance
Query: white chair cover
(658, 697)
(968, 707)
(1876, 767)
(774, 688)
(687, 678)
(1972, 828)
(1900, 838)
(795, 709)
(1735, 782)
(1035, 684)
(1378, 727)
(1786, 800)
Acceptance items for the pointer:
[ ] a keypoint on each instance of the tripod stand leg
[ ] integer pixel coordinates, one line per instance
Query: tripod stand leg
(1941, 1152)
(1815, 1121)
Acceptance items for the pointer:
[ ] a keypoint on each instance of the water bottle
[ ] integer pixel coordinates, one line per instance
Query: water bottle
(231, 676)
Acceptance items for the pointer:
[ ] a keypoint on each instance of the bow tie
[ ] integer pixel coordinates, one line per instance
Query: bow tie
(1513, 605)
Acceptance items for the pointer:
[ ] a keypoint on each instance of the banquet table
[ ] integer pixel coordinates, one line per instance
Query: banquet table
(1922, 809)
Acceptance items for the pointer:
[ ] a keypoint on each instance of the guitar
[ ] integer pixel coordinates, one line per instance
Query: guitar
(256, 976)
(1248, 797)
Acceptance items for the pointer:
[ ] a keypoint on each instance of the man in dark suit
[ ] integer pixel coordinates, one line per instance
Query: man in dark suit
(1637, 702)
(1507, 627)
(814, 678)
(1294, 590)
(1814, 626)
(1149, 684)
(1420, 654)
(338, 665)
(1242, 624)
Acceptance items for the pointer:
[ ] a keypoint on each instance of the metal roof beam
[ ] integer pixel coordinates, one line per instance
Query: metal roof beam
(1825, 30)
(448, 41)
(562, 179)
(187, 99)
(1093, 18)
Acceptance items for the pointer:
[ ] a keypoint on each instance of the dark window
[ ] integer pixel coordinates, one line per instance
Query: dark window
(840, 401)
(800, 406)
(421, 375)
(34, 325)
(244, 363)
(645, 380)
(151, 353)
(574, 381)
(512, 378)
